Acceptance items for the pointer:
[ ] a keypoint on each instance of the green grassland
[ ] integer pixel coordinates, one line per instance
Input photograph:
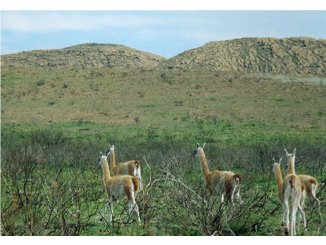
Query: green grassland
(55, 121)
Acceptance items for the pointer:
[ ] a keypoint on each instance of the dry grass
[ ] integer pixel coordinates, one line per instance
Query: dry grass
(113, 96)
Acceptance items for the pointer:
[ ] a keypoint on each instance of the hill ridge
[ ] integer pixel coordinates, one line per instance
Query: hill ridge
(264, 55)
(85, 55)
(294, 55)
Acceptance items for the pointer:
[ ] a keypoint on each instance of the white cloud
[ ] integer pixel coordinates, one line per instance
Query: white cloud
(45, 22)
(48, 21)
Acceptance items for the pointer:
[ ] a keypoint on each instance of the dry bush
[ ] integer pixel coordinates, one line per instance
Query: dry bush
(51, 185)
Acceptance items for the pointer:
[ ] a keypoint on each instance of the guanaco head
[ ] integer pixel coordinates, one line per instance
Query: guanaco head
(290, 156)
(111, 149)
(195, 152)
(103, 158)
(275, 163)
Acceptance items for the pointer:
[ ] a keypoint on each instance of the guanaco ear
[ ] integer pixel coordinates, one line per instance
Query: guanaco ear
(294, 150)
(101, 153)
(286, 152)
(197, 146)
(204, 145)
(273, 159)
(279, 162)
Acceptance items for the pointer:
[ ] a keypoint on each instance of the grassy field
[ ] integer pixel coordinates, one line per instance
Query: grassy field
(56, 121)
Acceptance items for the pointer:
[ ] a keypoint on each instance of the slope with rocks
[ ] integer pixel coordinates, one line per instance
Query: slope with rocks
(257, 55)
(84, 56)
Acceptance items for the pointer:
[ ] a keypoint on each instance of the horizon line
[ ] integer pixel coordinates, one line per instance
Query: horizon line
(119, 44)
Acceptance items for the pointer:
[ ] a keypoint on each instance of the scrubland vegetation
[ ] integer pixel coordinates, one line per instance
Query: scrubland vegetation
(51, 185)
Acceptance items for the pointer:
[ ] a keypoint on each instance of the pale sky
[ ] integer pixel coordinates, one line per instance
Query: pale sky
(166, 33)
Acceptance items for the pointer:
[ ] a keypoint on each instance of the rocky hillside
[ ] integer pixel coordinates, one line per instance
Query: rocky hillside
(257, 55)
(291, 56)
(84, 56)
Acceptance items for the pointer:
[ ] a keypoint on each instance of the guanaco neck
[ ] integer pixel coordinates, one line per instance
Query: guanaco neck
(291, 162)
(106, 170)
(113, 164)
(203, 161)
(279, 180)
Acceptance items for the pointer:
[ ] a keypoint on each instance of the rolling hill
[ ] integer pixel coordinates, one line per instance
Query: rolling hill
(287, 56)
(84, 56)
(257, 55)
